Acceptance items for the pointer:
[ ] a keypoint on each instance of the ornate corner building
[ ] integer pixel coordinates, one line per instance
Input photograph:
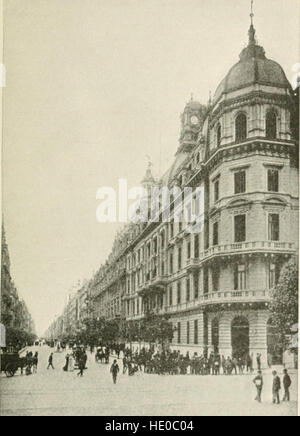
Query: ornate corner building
(242, 150)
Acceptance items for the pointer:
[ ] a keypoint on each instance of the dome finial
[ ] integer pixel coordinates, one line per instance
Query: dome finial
(252, 13)
(252, 30)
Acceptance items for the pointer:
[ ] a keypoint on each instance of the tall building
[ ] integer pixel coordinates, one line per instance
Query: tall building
(214, 279)
(242, 151)
(14, 312)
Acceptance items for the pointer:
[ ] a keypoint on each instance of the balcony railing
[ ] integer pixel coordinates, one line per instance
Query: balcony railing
(222, 297)
(135, 317)
(256, 295)
(249, 246)
(255, 246)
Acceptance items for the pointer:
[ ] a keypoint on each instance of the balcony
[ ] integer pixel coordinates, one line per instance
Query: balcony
(222, 297)
(159, 281)
(272, 247)
(245, 296)
(193, 263)
(249, 247)
(143, 288)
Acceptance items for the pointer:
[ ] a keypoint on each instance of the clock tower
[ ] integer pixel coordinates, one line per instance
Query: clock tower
(191, 124)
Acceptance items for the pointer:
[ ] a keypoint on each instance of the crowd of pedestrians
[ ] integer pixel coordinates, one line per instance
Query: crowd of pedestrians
(76, 358)
(174, 363)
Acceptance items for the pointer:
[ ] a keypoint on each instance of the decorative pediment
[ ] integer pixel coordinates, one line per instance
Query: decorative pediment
(274, 202)
(241, 205)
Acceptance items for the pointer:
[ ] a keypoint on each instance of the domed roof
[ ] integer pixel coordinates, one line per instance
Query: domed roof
(195, 105)
(253, 68)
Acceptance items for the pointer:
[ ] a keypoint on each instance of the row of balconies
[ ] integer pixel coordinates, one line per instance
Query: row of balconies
(219, 250)
(269, 247)
(179, 237)
(222, 297)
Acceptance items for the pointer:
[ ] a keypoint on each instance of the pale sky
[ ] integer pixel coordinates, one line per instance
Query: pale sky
(93, 86)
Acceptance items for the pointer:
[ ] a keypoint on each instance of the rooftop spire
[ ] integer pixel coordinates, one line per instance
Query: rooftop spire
(251, 32)
(148, 179)
(253, 50)
(252, 13)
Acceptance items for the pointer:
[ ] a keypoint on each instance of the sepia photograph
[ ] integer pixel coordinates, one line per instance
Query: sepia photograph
(149, 210)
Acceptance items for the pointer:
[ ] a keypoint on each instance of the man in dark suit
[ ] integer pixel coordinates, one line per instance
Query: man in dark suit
(114, 371)
(276, 388)
(81, 365)
(50, 361)
(286, 384)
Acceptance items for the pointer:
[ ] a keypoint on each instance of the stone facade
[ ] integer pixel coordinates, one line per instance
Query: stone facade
(214, 284)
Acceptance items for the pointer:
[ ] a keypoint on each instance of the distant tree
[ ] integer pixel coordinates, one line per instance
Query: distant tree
(18, 338)
(111, 331)
(157, 329)
(132, 332)
(123, 330)
(87, 334)
(284, 301)
(94, 331)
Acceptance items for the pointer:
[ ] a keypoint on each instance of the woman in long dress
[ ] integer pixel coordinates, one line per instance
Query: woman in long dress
(71, 363)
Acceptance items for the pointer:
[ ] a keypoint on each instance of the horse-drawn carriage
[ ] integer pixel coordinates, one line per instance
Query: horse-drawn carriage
(11, 362)
(102, 355)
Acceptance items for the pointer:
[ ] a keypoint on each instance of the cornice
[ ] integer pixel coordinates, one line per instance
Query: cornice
(252, 98)
(255, 145)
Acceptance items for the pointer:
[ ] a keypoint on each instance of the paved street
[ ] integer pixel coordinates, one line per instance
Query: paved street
(59, 393)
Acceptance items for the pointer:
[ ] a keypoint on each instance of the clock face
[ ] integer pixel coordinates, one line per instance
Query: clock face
(194, 120)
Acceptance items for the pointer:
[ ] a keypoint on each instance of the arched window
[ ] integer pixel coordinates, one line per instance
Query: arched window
(271, 125)
(241, 127)
(240, 337)
(219, 134)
